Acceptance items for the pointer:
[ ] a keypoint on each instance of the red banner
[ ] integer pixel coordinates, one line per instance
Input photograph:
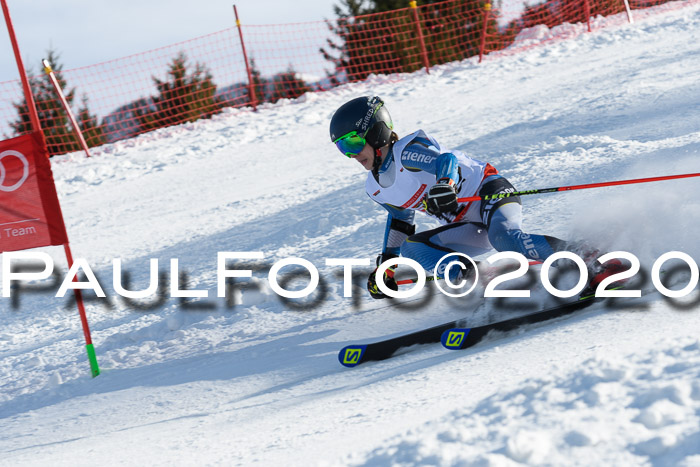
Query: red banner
(30, 215)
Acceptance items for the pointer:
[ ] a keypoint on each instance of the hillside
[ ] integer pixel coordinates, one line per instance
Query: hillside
(258, 382)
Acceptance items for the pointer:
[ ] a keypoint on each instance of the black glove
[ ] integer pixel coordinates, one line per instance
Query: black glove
(388, 278)
(441, 197)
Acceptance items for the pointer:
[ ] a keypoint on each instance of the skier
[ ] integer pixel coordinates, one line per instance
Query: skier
(415, 173)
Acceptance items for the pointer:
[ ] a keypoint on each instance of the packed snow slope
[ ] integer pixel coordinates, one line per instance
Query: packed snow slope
(256, 380)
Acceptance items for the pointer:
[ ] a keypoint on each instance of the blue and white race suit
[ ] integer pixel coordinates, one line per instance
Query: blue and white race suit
(413, 165)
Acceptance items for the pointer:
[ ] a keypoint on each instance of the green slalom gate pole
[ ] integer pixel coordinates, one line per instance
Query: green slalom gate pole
(574, 187)
(92, 357)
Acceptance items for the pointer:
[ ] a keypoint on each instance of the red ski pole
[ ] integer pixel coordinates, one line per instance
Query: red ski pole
(574, 187)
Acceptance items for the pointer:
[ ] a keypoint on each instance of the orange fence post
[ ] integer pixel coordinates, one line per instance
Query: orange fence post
(251, 86)
(419, 31)
(487, 12)
(76, 128)
(587, 13)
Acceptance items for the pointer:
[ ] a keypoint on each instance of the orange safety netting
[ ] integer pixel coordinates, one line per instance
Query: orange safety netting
(198, 78)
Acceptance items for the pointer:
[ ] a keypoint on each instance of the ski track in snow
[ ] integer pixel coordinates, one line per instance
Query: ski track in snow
(258, 381)
(602, 412)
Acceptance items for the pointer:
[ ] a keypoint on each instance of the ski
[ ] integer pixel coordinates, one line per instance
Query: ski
(459, 338)
(353, 355)
(454, 335)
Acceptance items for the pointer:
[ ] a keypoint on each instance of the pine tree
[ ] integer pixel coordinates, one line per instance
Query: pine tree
(555, 12)
(123, 122)
(56, 126)
(93, 132)
(183, 97)
(288, 85)
(453, 39)
(350, 8)
(260, 85)
(387, 43)
(362, 48)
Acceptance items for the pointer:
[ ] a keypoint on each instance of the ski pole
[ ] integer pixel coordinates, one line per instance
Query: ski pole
(413, 280)
(574, 187)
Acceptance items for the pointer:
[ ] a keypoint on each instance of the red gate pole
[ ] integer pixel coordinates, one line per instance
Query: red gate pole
(34, 117)
(419, 30)
(76, 128)
(28, 96)
(482, 47)
(251, 86)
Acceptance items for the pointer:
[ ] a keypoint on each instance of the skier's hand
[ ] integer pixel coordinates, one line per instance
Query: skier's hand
(388, 278)
(441, 197)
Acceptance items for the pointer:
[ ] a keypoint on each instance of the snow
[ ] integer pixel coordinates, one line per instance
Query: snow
(602, 411)
(257, 381)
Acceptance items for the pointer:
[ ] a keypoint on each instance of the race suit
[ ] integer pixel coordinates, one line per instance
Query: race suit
(413, 165)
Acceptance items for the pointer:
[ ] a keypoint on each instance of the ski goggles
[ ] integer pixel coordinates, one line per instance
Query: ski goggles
(350, 144)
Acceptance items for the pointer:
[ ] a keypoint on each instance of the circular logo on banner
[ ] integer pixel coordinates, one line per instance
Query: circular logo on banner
(3, 172)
